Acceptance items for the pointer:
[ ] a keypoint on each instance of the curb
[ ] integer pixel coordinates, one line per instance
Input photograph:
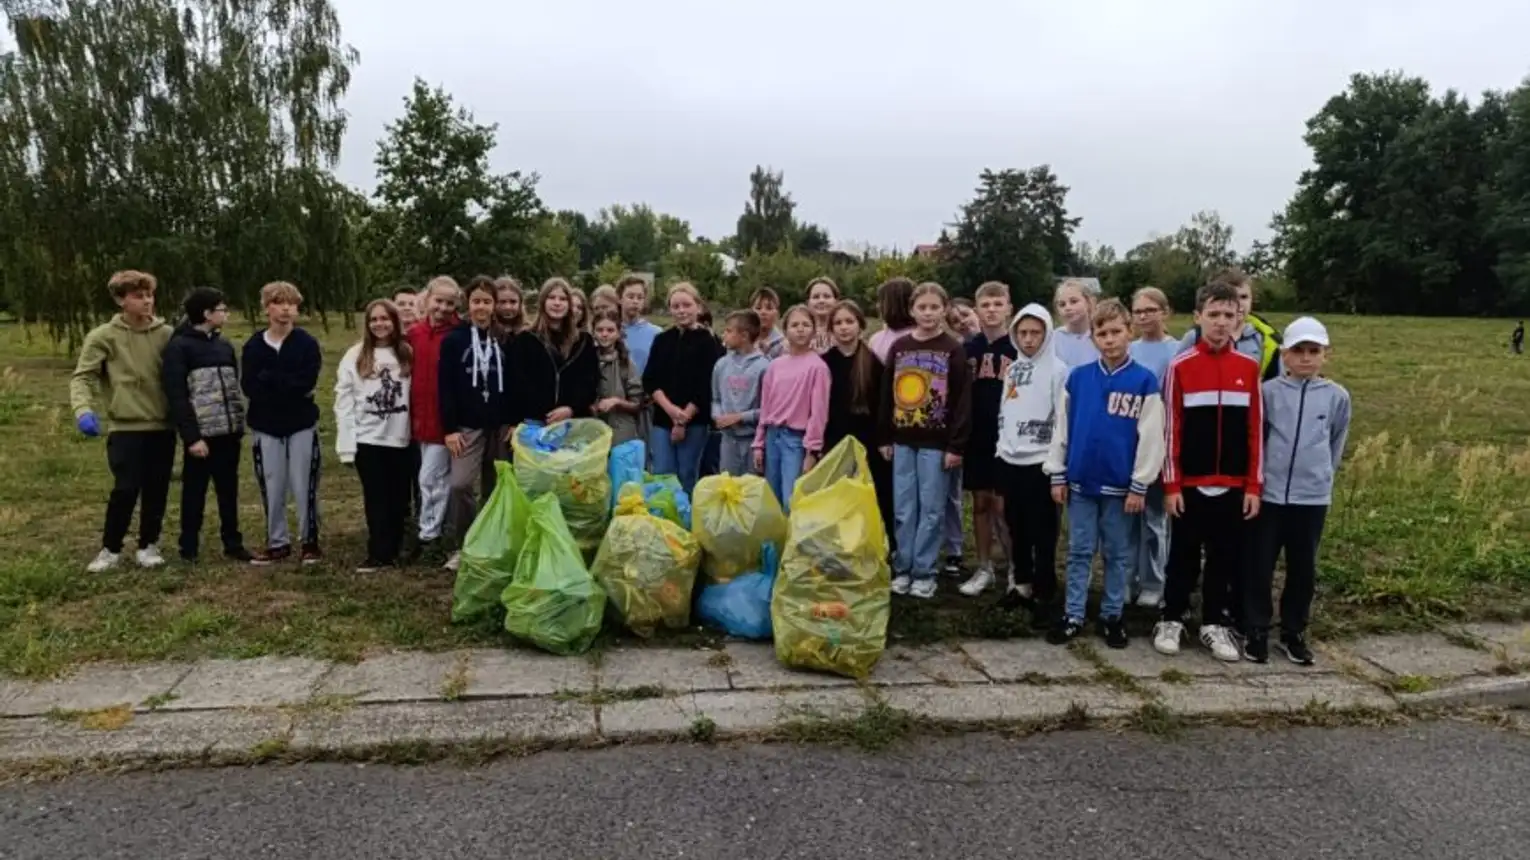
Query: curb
(1512, 693)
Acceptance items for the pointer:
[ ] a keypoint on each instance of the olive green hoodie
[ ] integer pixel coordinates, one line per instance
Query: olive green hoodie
(125, 362)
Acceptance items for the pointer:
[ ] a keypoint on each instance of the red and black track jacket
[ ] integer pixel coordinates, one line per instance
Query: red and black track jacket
(1214, 420)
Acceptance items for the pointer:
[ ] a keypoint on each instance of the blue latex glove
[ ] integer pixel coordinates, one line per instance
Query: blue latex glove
(88, 424)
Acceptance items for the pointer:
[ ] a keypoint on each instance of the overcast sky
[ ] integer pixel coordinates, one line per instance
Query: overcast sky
(882, 112)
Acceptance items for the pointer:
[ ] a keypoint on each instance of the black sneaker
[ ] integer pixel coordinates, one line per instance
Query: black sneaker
(312, 554)
(371, 565)
(1295, 646)
(1014, 599)
(1114, 631)
(271, 556)
(239, 554)
(954, 566)
(1065, 631)
(1256, 648)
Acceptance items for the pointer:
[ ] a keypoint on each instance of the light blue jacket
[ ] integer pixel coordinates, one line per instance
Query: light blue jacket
(1306, 422)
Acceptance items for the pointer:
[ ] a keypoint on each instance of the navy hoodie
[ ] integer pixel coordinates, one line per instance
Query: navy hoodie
(280, 383)
(469, 400)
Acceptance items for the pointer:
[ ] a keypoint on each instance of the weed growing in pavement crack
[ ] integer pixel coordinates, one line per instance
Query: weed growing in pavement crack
(1155, 719)
(607, 697)
(1105, 672)
(877, 727)
(456, 682)
(703, 729)
(1409, 684)
(1174, 676)
(97, 720)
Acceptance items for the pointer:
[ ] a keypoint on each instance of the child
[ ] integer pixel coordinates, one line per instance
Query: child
(619, 397)
(822, 296)
(1254, 337)
(1107, 450)
(1517, 339)
(1032, 397)
(604, 297)
(855, 396)
(120, 366)
(989, 355)
(281, 371)
(767, 304)
(678, 380)
(1154, 348)
(736, 381)
(372, 429)
(1075, 304)
(794, 407)
(201, 377)
(557, 366)
(408, 307)
(475, 407)
(580, 307)
(509, 314)
(1213, 472)
(425, 340)
(894, 297)
(962, 317)
(638, 333)
(1306, 421)
(925, 416)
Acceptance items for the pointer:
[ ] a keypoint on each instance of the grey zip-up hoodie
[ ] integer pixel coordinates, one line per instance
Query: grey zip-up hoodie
(736, 382)
(1306, 422)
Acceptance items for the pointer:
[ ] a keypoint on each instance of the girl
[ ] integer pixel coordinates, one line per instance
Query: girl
(822, 296)
(1154, 348)
(581, 308)
(475, 407)
(604, 298)
(924, 413)
(963, 319)
(557, 370)
(893, 299)
(678, 379)
(619, 395)
(372, 429)
(794, 409)
(508, 314)
(855, 395)
(1075, 302)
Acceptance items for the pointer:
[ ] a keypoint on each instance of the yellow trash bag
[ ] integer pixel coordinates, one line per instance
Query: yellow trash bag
(733, 517)
(568, 459)
(832, 596)
(647, 566)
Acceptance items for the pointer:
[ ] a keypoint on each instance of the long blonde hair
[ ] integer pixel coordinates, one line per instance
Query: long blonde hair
(366, 362)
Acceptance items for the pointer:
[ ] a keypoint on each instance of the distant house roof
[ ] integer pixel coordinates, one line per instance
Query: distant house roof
(926, 250)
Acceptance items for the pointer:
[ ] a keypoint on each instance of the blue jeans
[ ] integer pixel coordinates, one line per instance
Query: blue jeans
(783, 462)
(1150, 540)
(681, 459)
(920, 491)
(1098, 522)
(953, 526)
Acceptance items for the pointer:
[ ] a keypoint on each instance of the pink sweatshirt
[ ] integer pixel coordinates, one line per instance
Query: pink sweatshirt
(795, 394)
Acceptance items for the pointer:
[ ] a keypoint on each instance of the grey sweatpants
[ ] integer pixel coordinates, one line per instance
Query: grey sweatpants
(735, 454)
(288, 464)
(474, 468)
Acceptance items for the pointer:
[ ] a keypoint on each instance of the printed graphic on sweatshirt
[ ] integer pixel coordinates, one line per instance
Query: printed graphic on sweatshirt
(1124, 404)
(919, 389)
(992, 365)
(388, 399)
(1018, 376)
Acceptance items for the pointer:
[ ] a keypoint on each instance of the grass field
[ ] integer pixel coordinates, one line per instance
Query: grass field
(1431, 523)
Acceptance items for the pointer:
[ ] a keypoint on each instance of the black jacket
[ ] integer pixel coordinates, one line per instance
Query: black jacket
(201, 378)
(280, 383)
(469, 402)
(842, 421)
(680, 365)
(545, 380)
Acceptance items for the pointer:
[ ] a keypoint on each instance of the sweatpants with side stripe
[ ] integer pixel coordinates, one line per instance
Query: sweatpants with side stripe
(283, 465)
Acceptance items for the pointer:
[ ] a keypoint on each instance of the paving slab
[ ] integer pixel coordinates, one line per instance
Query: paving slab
(677, 670)
(405, 676)
(1475, 691)
(1511, 641)
(1423, 654)
(1272, 694)
(91, 688)
(1009, 702)
(1009, 660)
(753, 666)
(264, 682)
(946, 665)
(513, 720)
(508, 674)
(151, 735)
(731, 713)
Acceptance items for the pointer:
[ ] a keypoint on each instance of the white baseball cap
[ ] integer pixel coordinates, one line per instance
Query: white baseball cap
(1305, 330)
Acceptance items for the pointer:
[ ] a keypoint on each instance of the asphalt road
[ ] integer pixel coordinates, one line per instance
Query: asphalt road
(1431, 791)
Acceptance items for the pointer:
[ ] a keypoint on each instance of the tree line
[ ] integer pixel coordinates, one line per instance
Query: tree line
(198, 139)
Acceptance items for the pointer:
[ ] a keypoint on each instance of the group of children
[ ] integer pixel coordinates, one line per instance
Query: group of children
(1122, 432)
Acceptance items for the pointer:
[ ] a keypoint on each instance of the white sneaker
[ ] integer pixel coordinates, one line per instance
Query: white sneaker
(1220, 641)
(978, 583)
(901, 583)
(1166, 636)
(149, 557)
(923, 588)
(105, 560)
(1150, 599)
(453, 561)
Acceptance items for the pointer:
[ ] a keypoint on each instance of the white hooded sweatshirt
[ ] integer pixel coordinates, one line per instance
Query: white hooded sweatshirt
(1033, 391)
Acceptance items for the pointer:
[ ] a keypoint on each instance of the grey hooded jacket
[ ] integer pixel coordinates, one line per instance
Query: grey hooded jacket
(1306, 422)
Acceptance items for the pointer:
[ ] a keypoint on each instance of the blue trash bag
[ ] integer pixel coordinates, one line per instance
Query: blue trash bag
(741, 606)
(627, 461)
(662, 495)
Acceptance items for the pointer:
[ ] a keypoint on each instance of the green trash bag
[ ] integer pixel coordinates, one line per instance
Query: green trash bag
(490, 548)
(552, 601)
(568, 460)
(647, 566)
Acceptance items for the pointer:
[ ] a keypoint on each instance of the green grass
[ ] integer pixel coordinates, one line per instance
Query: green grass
(1430, 524)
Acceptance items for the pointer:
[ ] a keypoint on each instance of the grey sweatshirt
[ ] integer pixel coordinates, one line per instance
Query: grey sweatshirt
(1306, 423)
(736, 388)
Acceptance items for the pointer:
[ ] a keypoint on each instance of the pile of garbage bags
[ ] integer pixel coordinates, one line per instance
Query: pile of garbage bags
(569, 461)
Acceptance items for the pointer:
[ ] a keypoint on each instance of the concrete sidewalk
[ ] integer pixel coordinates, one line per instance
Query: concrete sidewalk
(231, 710)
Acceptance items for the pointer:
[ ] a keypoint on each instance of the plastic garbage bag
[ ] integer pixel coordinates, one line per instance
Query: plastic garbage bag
(831, 602)
(627, 460)
(735, 515)
(741, 606)
(490, 547)
(568, 460)
(662, 495)
(647, 566)
(552, 601)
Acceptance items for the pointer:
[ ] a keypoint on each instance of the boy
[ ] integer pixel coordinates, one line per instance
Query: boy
(201, 377)
(1032, 395)
(408, 307)
(119, 366)
(1213, 473)
(281, 370)
(636, 331)
(1306, 420)
(1517, 339)
(425, 338)
(1107, 451)
(989, 354)
(1255, 338)
(736, 392)
(767, 304)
